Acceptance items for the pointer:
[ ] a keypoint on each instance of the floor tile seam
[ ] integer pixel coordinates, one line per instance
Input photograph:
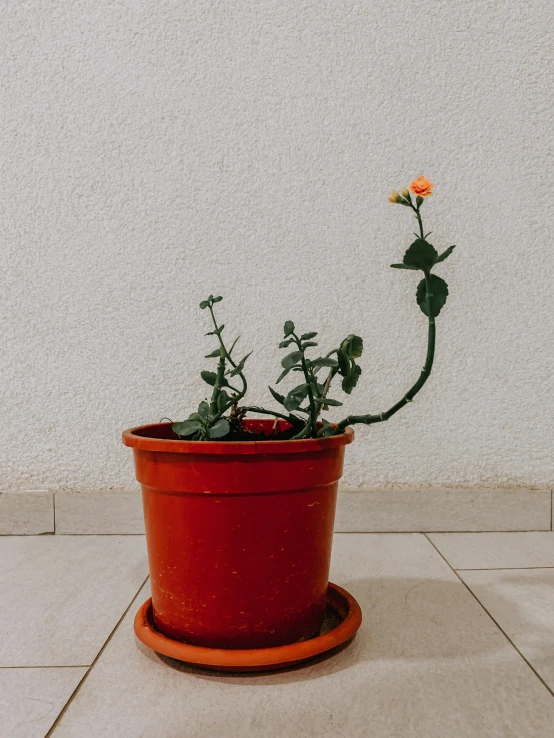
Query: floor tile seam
(506, 636)
(91, 667)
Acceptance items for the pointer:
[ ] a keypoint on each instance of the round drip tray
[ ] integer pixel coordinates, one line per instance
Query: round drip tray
(342, 619)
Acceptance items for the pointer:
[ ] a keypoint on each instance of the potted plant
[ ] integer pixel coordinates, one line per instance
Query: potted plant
(239, 511)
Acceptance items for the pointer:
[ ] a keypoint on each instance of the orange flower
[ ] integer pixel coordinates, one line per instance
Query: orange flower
(422, 187)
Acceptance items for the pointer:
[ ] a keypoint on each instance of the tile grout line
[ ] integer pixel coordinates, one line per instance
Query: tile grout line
(54, 510)
(500, 568)
(100, 652)
(50, 666)
(535, 672)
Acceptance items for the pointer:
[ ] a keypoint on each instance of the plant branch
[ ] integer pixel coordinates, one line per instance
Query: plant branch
(292, 419)
(408, 397)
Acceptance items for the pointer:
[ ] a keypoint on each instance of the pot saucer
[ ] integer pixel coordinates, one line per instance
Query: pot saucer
(343, 617)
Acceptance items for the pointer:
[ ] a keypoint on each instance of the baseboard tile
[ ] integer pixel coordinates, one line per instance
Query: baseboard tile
(443, 510)
(99, 513)
(358, 511)
(26, 512)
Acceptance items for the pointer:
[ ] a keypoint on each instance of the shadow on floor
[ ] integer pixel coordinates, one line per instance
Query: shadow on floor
(404, 619)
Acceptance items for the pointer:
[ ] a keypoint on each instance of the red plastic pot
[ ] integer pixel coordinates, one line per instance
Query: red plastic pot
(239, 534)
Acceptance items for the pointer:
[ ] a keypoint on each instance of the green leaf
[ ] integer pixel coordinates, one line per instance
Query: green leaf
(445, 254)
(223, 401)
(282, 375)
(296, 397)
(289, 328)
(307, 336)
(324, 361)
(219, 429)
(420, 255)
(233, 346)
(344, 362)
(328, 429)
(353, 346)
(204, 410)
(327, 401)
(240, 366)
(214, 354)
(186, 428)
(307, 344)
(291, 359)
(217, 299)
(280, 398)
(209, 377)
(286, 342)
(439, 292)
(204, 304)
(351, 379)
(403, 266)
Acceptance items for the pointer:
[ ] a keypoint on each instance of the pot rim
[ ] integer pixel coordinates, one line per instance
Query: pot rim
(136, 438)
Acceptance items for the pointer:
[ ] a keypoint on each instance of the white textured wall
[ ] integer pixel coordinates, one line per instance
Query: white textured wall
(154, 152)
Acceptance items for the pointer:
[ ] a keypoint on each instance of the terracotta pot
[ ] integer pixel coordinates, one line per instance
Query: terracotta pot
(239, 534)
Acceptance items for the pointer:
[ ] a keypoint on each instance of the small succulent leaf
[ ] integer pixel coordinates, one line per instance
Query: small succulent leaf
(233, 345)
(325, 361)
(327, 401)
(217, 299)
(351, 379)
(403, 266)
(204, 304)
(296, 397)
(282, 375)
(353, 346)
(419, 200)
(276, 396)
(307, 344)
(439, 293)
(288, 328)
(209, 377)
(240, 366)
(223, 401)
(286, 342)
(291, 359)
(420, 255)
(307, 336)
(343, 361)
(445, 254)
(211, 333)
(204, 410)
(219, 429)
(186, 428)
(328, 429)
(214, 354)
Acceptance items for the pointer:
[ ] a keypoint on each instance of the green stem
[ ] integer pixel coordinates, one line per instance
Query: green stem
(423, 377)
(218, 385)
(292, 419)
(312, 423)
(418, 216)
(227, 356)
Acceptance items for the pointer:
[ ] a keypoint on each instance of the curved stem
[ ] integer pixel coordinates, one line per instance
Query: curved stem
(292, 419)
(423, 377)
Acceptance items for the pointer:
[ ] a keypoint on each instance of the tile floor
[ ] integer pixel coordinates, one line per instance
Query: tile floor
(457, 640)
